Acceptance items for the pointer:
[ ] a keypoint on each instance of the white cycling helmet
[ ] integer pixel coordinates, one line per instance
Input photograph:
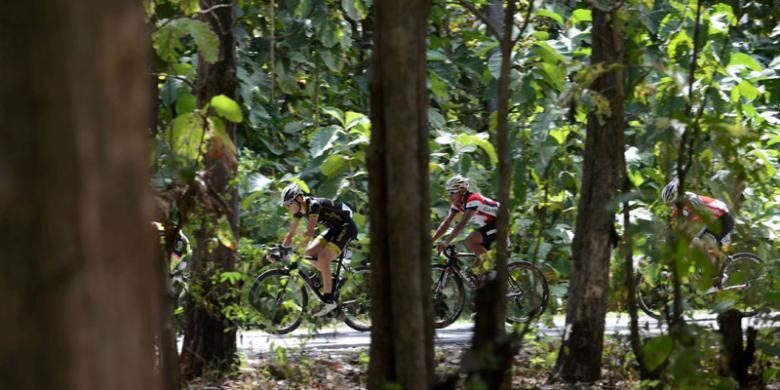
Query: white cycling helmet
(669, 193)
(457, 183)
(289, 193)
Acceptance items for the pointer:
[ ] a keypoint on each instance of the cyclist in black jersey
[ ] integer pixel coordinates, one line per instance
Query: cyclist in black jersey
(333, 215)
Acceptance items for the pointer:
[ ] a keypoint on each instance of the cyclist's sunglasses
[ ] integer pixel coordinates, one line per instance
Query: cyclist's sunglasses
(452, 192)
(289, 202)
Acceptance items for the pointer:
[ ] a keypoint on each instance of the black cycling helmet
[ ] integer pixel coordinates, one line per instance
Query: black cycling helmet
(289, 193)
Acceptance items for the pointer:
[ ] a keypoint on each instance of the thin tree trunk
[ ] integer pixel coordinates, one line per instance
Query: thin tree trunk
(579, 359)
(209, 337)
(79, 276)
(402, 334)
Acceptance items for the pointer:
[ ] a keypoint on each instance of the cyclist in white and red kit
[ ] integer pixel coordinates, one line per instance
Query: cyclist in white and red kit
(481, 210)
(713, 213)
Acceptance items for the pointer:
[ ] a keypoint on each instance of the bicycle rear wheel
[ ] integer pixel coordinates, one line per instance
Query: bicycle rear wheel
(742, 281)
(279, 299)
(527, 292)
(355, 299)
(449, 296)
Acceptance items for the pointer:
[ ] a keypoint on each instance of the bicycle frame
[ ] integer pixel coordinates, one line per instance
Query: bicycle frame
(453, 265)
(307, 278)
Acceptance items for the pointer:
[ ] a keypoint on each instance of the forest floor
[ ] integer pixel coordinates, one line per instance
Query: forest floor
(346, 369)
(302, 367)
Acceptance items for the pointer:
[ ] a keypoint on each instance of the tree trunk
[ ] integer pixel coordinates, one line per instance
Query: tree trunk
(491, 352)
(209, 337)
(79, 274)
(402, 334)
(579, 359)
(738, 356)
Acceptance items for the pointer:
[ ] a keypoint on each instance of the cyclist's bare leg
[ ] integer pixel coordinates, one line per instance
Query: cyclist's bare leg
(474, 243)
(325, 256)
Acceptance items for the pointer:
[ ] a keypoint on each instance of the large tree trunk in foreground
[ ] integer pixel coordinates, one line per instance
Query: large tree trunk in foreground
(579, 359)
(79, 273)
(210, 338)
(402, 335)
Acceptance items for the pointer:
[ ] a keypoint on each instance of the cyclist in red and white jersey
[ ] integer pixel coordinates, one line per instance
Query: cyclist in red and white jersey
(477, 208)
(699, 208)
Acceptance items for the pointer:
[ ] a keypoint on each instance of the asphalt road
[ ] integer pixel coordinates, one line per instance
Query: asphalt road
(334, 339)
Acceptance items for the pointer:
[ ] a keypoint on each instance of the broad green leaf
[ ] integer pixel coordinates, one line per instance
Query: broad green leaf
(477, 140)
(168, 44)
(548, 53)
(354, 9)
(352, 119)
(550, 14)
(657, 351)
(322, 140)
(186, 102)
(746, 60)
(207, 41)
(227, 108)
(436, 55)
(560, 134)
(300, 183)
(334, 164)
(581, 15)
(336, 114)
(747, 90)
(225, 234)
(681, 39)
(188, 135)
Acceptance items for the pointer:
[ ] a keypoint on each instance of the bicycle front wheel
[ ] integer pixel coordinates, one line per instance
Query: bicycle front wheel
(527, 292)
(449, 296)
(279, 299)
(742, 281)
(355, 299)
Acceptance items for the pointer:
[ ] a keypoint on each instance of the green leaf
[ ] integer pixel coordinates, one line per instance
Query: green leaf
(186, 102)
(354, 9)
(227, 108)
(747, 90)
(478, 140)
(334, 164)
(581, 15)
(225, 233)
(353, 119)
(187, 135)
(167, 39)
(746, 60)
(769, 349)
(230, 277)
(335, 113)
(207, 41)
(657, 350)
(322, 140)
(550, 14)
(560, 134)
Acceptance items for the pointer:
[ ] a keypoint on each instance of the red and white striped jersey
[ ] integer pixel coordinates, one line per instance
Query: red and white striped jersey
(702, 203)
(486, 208)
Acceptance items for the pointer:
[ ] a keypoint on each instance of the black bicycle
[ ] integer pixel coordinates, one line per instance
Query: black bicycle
(281, 296)
(739, 280)
(527, 290)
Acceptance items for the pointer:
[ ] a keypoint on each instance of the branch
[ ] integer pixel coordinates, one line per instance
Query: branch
(595, 4)
(481, 15)
(173, 76)
(526, 22)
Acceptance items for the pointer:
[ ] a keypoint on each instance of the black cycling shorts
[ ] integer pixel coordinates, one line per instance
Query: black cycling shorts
(489, 233)
(338, 237)
(723, 229)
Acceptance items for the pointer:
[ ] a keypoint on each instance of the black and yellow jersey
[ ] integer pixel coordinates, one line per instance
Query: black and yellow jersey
(329, 213)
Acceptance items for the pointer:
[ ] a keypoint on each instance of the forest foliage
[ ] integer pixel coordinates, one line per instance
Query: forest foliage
(302, 115)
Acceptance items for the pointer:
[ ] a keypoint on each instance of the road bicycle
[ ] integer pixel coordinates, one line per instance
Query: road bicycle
(281, 295)
(739, 278)
(527, 290)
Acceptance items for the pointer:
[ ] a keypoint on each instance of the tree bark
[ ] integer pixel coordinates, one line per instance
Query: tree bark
(738, 356)
(402, 334)
(579, 359)
(79, 274)
(209, 337)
